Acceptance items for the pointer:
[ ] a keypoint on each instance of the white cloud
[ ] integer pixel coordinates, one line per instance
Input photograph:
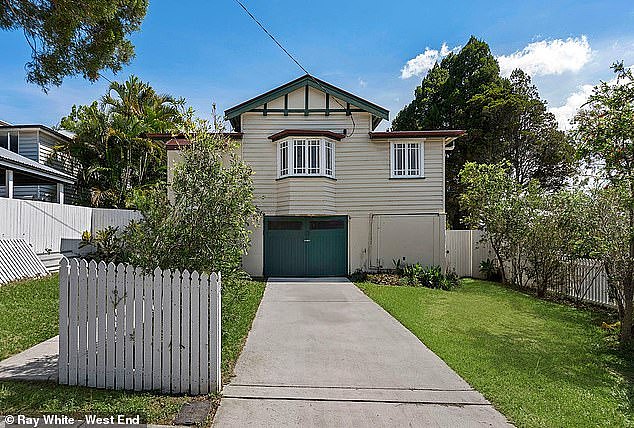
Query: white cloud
(362, 83)
(548, 57)
(567, 111)
(422, 63)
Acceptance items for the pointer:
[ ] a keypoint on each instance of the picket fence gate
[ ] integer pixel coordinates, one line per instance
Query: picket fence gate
(121, 327)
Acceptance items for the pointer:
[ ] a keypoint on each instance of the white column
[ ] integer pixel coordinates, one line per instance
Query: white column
(9, 183)
(60, 193)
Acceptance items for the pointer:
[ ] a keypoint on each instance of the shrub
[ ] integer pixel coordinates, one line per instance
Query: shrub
(359, 275)
(489, 269)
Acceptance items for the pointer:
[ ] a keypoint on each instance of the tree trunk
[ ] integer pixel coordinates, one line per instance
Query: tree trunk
(626, 322)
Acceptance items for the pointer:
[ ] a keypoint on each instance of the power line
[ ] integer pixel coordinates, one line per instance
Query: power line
(293, 59)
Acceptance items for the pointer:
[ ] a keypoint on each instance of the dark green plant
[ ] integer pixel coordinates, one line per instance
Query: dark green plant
(489, 269)
(398, 266)
(359, 275)
(106, 245)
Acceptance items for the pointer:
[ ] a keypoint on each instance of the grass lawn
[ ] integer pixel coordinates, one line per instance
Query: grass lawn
(540, 363)
(28, 315)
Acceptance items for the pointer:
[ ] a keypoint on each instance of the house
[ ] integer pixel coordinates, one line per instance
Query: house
(28, 167)
(337, 196)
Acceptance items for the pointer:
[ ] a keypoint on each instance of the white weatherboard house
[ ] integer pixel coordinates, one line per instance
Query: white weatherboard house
(335, 195)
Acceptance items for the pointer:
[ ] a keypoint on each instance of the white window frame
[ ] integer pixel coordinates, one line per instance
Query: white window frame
(307, 142)
(407, 166)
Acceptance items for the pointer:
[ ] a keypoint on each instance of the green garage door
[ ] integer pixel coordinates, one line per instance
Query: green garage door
(305, 246)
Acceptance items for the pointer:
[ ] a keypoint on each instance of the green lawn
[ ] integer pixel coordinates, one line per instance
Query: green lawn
(540, 363)
(28, 315)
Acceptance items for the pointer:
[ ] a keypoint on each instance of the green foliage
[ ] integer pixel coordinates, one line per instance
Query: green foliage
(505, 120)
(359, 275)
(204, 225)
(111, 152)
(605, 137)
(69, 38)
(489, 269)
(106, 245)
(417, 275)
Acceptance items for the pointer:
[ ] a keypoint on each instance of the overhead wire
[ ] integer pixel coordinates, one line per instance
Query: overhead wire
(314, 79)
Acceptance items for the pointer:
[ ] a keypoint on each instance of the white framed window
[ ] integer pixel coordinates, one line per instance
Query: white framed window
(305, 158)
(406, 160)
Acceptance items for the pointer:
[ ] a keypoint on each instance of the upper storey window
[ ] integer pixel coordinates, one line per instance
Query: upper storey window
(306, 157)
(9, 140)
(406, 160)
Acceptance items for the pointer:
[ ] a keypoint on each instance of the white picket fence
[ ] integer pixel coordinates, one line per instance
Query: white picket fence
(123, 328)
(585, 279)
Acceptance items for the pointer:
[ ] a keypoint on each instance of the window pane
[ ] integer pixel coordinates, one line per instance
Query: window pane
(413, 167)
(284, 225)
(399, 159)
(326, 224)
(313, 157)
(14, 142)
(300, 157)
(284, 158)
(329, 159)
(4, 141)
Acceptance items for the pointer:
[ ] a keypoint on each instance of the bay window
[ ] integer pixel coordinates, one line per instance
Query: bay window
(406, 160)
(306, 157)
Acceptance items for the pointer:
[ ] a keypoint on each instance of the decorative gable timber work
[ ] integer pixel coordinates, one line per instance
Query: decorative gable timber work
(336, 101)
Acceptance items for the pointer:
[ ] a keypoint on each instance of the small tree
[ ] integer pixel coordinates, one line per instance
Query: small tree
(204, 225)
(605, 137)
(497, 204)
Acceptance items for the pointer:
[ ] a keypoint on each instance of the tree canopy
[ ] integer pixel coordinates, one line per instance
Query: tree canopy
(505, 120)
(74, 37)
(110, 150)
(604, 134)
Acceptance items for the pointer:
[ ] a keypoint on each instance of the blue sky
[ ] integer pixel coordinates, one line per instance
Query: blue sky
(210, 51)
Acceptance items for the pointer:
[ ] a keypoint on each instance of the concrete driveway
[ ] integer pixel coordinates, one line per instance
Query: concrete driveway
(321, 353)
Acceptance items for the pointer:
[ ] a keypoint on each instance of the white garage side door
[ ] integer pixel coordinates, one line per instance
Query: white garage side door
(409, 238)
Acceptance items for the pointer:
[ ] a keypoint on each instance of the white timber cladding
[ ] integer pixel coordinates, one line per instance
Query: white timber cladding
(363, 183)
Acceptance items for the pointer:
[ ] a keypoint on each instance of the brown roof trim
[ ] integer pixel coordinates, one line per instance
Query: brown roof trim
(167, 136)
(177, 143)
(306, 133)
(417, 134)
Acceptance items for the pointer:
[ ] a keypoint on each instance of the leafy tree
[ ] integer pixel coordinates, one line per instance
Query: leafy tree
(110, 151)
(501, 207)
(204, 224)
(605, 137)
(73, 37)
(505, 120)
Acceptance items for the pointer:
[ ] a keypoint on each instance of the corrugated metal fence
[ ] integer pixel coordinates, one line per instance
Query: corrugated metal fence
(53, 230)
(123, 328)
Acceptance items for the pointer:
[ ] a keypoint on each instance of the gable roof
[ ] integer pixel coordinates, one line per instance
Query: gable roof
(9, 159)
(44, 128)
(233, 114)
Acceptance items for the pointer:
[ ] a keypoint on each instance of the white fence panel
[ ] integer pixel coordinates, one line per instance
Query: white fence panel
(585, 280)
(465, 251)
(53, 230)
(104, 217)
(120, 325)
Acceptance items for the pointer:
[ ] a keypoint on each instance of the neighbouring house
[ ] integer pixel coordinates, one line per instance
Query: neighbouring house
(336, 196)
(29, 169)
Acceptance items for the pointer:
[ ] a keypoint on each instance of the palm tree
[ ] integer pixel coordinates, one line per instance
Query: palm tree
(111, 149)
